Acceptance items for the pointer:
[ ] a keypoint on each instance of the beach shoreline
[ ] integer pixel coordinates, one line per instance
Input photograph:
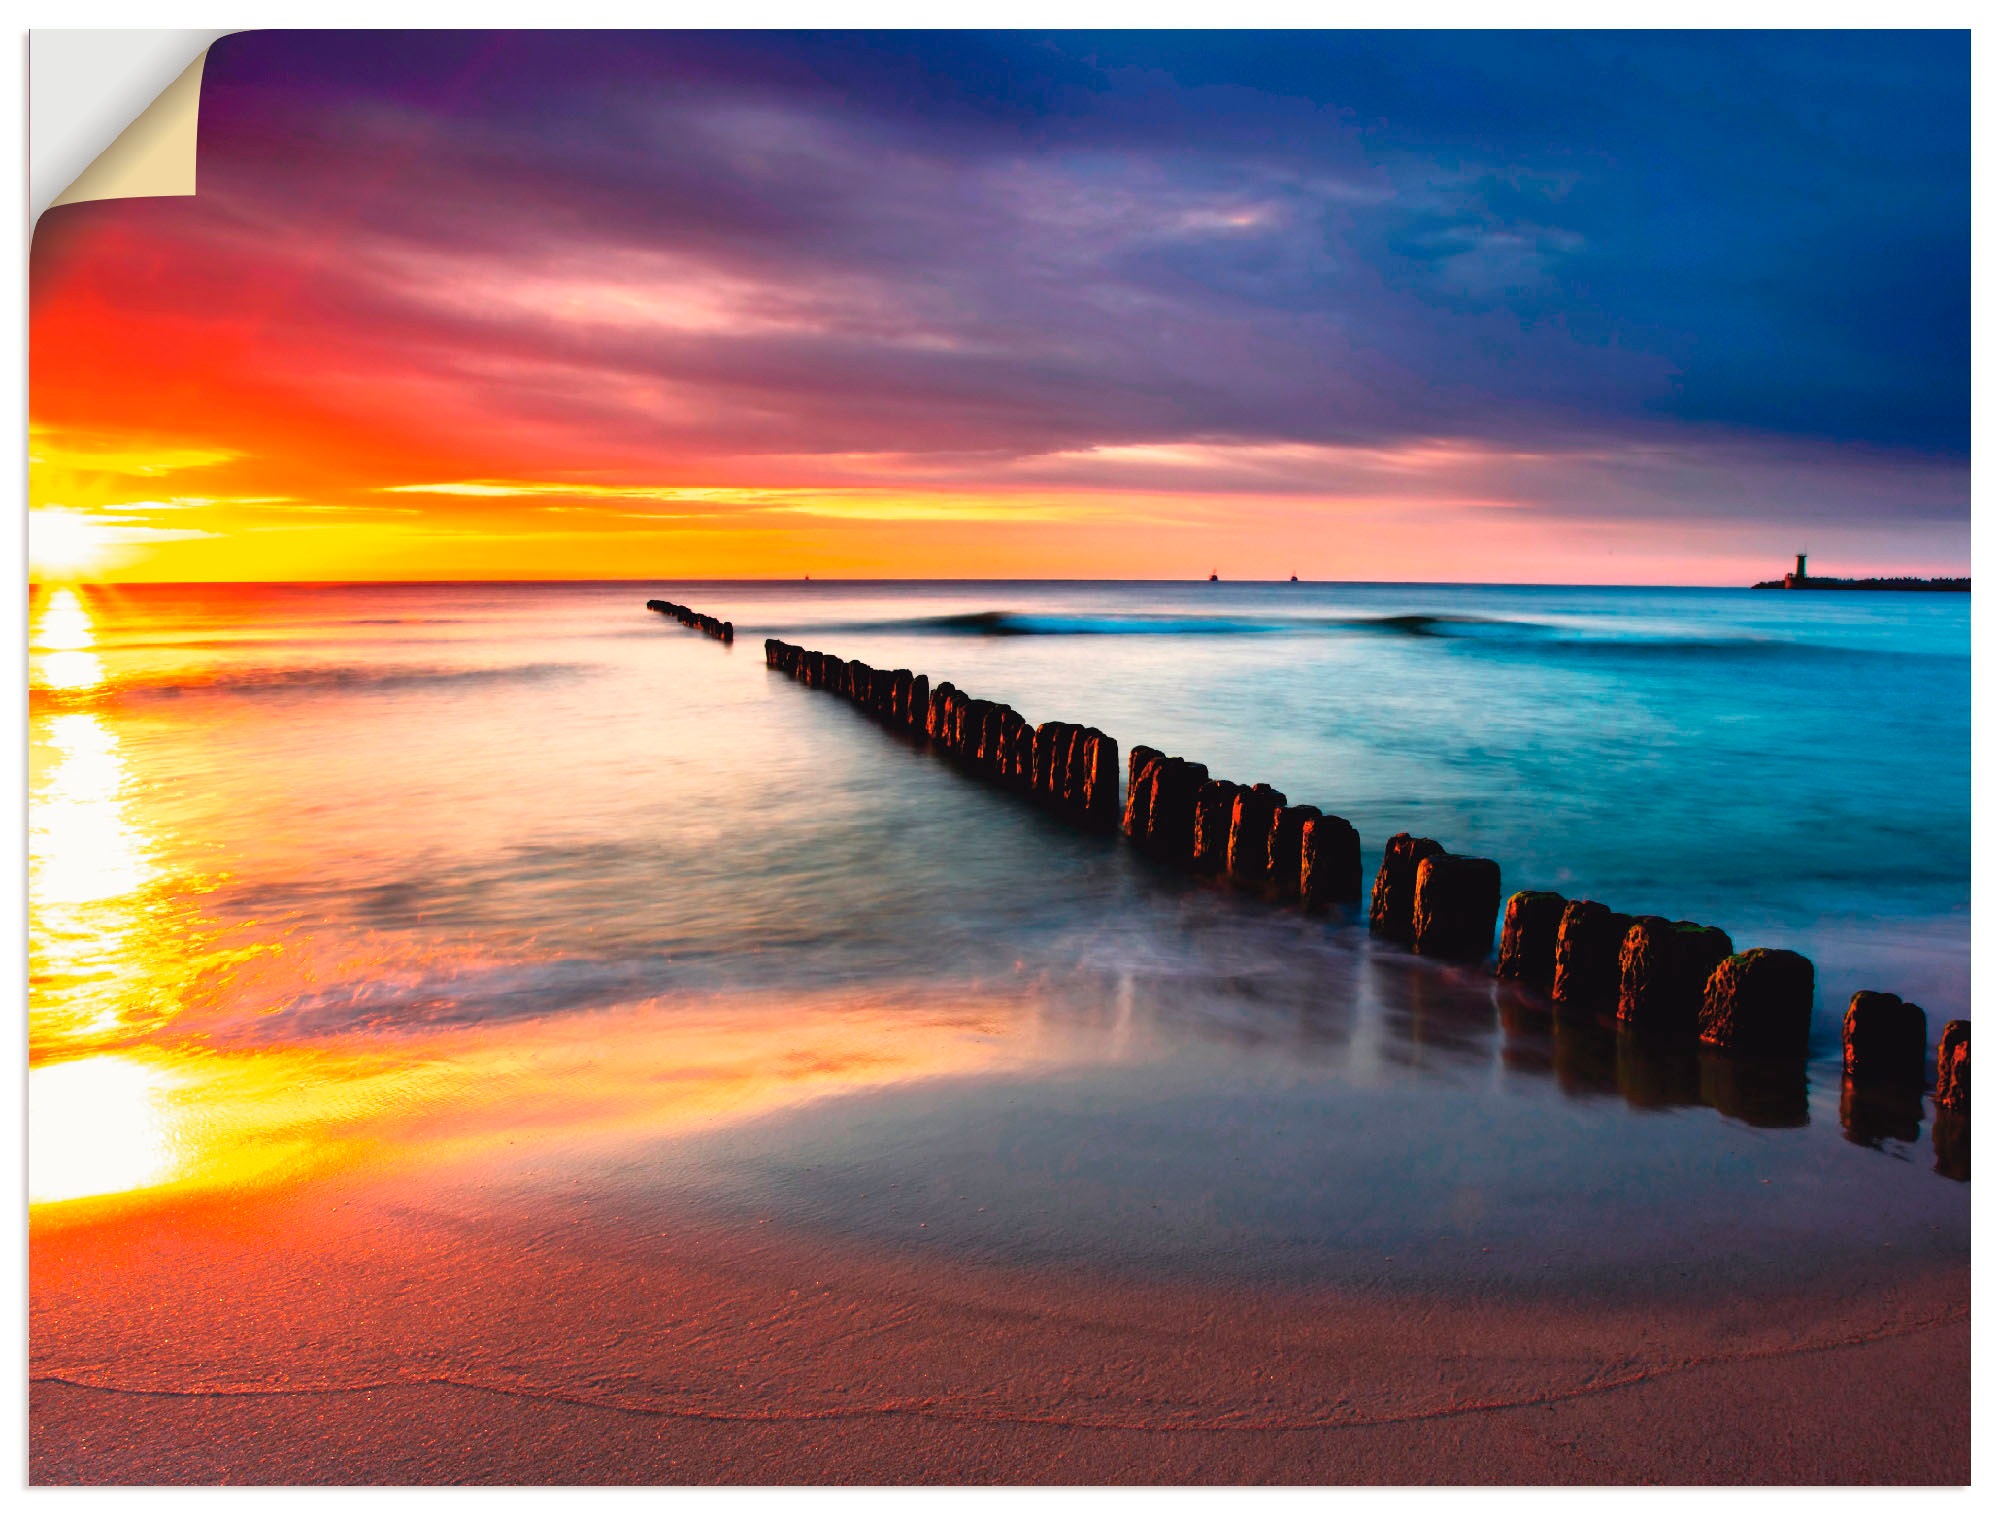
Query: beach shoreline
(735, 1355)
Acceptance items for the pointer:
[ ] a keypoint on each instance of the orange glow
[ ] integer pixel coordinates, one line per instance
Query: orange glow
(131, 1126)
(163, 449)
(150, 1075)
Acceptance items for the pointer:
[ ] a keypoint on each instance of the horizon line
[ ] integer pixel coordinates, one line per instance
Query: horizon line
(54, 583)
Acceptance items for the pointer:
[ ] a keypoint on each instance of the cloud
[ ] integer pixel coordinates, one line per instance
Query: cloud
(1675, 276)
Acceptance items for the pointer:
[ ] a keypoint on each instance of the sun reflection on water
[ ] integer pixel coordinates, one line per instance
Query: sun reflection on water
(172, 1052)
(99, 1125)
(94, 950)
(61, 646)
(84, 847)
(140, 1085)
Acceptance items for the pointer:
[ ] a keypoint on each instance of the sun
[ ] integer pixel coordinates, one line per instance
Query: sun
(66, 544)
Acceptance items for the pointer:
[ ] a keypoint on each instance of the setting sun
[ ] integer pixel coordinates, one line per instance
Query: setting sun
(66, 544)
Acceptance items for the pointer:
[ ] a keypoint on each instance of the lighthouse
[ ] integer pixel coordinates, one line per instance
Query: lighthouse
(1796, 579)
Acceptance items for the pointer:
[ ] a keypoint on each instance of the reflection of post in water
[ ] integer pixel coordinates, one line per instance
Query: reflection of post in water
(1586, 1048)
(1526, 1033)
(1657, 1072)
(1757, 1091)
(1951, 1141)
(1436, 1012)
(1874, 1113)
(1328, 1007)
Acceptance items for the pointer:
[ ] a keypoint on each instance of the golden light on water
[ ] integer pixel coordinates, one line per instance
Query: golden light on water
(65, 624)
(187, 1119)
(91, 868)
(83, 847)
(98, 1126)
(61, 655)
(163, 1059)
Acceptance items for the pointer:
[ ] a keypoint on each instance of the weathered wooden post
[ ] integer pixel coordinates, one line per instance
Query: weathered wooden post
(1528, 938)
(1100, 783)
(986, 738)
(1455, 903)
(1882, 1040)
(1884, 1056)
(1250, 821)
(1214, 806)
(1589, 940)
(1663, 970)
(1075, 761)
(1951, 1132)
(1954, 1067)
(1284, 848)
(1177, 784)
(1139, 794)
(1329, 862)
(1392, 904)
(1759, 1002)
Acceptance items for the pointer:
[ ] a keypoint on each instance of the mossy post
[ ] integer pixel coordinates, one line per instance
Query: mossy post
(1760, 1003)
(1663, 970)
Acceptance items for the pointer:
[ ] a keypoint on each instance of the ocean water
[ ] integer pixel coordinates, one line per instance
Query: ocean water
(500, 892)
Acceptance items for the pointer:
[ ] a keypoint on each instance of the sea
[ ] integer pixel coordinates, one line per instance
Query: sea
(502, 892)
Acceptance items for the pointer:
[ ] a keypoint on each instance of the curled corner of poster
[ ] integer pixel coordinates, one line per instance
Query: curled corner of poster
(155, 154)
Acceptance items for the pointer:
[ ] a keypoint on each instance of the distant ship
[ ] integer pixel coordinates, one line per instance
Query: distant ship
(1213, 577)
(1799, 579)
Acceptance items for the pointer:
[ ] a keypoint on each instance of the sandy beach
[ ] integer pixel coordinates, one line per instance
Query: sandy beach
(339, 1336)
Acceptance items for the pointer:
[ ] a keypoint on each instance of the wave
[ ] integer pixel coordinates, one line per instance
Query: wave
(1497, 632)
(1423, 624)
(1017, 623)
(1014, 623)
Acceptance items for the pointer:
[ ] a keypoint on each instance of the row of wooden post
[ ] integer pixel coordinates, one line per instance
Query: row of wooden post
(722, 631)
(1250, 833)
(1665, 978)
(1071, 769)
(1661, 979)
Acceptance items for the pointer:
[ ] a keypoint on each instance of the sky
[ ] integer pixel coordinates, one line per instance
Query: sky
(1530, 307)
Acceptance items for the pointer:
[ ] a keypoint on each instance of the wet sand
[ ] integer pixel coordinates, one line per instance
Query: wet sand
(342, 1333)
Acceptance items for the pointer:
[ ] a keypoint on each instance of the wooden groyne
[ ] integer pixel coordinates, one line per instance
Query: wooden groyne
(1674, 984)
(722, 631)
(1671, 984)
(1070, 770)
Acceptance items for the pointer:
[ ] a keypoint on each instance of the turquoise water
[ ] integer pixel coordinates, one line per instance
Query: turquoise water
(375, 811)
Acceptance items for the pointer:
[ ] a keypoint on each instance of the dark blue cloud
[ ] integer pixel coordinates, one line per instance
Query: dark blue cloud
(1135, 236)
